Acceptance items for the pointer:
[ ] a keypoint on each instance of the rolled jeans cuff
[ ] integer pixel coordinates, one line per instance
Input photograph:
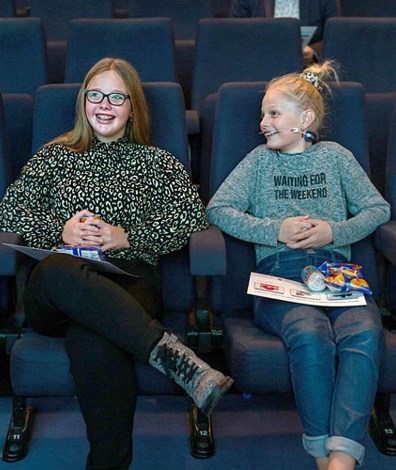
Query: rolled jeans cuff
(347, 446)
(316, 445)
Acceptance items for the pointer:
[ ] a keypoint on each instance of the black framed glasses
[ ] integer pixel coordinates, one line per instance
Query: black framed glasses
(115, 99)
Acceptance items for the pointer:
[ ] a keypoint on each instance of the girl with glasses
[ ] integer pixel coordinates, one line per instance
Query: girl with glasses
(148, 207)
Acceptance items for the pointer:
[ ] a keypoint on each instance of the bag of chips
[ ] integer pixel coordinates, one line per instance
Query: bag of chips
(344, 277)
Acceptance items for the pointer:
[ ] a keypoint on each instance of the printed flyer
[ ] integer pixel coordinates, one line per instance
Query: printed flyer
(279, 288)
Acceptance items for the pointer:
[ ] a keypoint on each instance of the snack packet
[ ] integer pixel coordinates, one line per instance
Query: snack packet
(88, 252)
(344, 277)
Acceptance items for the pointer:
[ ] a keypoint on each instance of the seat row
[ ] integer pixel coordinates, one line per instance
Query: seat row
(218, 267)
(225, 50)
(228, 45)
(56, 15)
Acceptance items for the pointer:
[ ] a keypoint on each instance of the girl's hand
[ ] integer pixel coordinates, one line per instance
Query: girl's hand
(294, 226)
(78, 233)
(308, 54)
(320, 234)
(112, 237)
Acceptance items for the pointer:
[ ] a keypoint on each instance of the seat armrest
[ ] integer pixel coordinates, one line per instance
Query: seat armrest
(207, 258)
(208, 253)
(8, 256)
(385, 241)
(192, 122)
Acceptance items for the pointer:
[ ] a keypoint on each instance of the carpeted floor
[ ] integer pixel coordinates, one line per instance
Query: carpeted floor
(263, 433)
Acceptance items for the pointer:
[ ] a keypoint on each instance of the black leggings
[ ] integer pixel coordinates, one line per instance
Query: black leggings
(107, 320)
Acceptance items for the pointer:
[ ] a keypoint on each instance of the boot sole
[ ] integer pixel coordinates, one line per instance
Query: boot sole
(212, 400)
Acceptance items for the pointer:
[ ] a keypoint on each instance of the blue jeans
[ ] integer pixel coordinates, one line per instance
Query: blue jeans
(334, 353)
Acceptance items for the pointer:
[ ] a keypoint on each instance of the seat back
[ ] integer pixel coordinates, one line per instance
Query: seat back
(147, 44)
(390, 195)
(6, 260)
(231, 49)
(238, 114)
(390, 186)
(5, 166)
(379, 111)
(7, 8)
(22, 55)
(357, 44)
(18, 111)
(56, 16)
(184, 14)
(368, 8)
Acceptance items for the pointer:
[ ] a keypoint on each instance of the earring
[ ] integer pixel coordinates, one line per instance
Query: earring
(310, 136)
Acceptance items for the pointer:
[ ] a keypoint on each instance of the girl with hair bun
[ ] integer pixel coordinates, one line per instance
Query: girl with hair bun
(304, 202)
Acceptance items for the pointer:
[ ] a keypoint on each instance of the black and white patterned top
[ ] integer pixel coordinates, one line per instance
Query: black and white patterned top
(142, 189)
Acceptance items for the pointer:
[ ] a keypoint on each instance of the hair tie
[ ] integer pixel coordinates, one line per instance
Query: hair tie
(313, 79)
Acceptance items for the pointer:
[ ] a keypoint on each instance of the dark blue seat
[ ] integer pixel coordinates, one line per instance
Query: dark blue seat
(7, 8)
(229, 49)
(258, 361)
(362, 48)
(184, 14)
(386, 235)
(18, 111)
(22, 55)
(368, 8)
(148, 44)
(7, 258)
(239, 49)
(39, 364)
(379, 111)
(56, 16)
(5, 164)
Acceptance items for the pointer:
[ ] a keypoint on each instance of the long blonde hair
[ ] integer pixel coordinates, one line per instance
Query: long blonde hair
(79, 139)
(307, 89)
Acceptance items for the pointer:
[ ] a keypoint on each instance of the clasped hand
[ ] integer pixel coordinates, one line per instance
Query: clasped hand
(304, 232)
(94, 232)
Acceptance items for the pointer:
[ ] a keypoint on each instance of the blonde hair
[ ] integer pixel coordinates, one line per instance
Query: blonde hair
(307, 89)
(79, 139)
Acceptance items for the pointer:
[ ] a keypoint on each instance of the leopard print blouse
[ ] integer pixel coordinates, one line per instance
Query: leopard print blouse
(142, 189)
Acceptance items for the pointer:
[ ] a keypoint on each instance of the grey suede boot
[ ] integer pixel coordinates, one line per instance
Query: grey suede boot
(204, 385)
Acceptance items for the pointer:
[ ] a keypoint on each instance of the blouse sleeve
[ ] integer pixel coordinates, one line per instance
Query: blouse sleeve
(176, 211)
(26, 208)
(367, 208)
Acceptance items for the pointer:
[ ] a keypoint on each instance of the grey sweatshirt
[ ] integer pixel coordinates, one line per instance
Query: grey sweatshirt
(325, 182)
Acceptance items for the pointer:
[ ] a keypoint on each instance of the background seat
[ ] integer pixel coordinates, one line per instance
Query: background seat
(5, 164)
(7, 260)
(147, 44)
(22, 55)
(18, 111)
(56, 16)
(7, 8)
(184, 14)
(368, 8)
(361, 46)
(238, 49)
(386, 235)
(229, 49)
(39, 364)
(258, 361)
(379, 111)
